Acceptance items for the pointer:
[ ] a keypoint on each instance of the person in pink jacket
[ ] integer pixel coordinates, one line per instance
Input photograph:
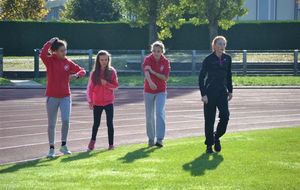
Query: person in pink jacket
(100, 95)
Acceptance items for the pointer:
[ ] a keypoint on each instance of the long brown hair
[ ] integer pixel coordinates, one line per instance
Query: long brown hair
(97, 68)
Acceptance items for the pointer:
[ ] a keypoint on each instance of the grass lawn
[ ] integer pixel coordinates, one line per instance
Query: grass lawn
(119, 60)
(137, 80)
(266, 159)
(5, 82)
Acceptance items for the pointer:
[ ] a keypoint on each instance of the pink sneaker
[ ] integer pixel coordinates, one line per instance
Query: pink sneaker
(111, 147)
(91, 145)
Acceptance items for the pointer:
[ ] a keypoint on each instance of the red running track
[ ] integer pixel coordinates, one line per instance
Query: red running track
(23, 119)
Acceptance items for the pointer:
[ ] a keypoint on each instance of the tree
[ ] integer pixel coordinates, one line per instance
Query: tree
(23, 9)
(92, 10)
(217, 13)
(147, 12)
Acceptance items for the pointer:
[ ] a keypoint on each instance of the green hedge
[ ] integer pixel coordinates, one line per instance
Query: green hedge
(21, 37)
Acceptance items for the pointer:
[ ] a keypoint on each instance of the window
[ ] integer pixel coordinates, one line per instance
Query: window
(266, 9)
(297, 9)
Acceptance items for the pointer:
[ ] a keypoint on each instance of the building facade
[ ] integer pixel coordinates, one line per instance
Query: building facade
(268, 10)
(55, 7)
(258, 10)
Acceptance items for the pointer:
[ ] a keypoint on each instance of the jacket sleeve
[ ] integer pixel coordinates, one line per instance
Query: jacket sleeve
(44, 53)
(114, 82)
(167, 69)
(76, 69)
(202, 76)
(229, 77)
(89, 90)
(145, 63)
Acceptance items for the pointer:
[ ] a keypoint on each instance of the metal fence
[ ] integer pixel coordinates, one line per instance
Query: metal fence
(183, 62)
(1, 62)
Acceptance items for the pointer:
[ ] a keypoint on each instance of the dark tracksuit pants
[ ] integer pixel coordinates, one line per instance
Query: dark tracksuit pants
(217, 99)
(109, 110)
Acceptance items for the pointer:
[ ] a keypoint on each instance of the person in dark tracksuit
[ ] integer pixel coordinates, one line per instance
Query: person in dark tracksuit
(215, 83)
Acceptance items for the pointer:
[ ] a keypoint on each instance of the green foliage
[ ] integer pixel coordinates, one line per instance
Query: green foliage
(92, 10)
(137, 12)
(22, 9)
(214, 12)
(150, 12)
(5, 82)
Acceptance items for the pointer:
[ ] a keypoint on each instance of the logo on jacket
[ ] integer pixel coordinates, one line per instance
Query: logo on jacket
(162, 68)
(67, 67)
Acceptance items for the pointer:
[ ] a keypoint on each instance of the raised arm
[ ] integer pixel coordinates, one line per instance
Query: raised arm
(45, 51)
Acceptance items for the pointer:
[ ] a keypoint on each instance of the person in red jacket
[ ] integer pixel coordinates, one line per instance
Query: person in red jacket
(157, 69)
(60, 70)
(100, 96)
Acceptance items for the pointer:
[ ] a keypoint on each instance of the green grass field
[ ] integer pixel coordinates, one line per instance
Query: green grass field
(265, 159)
(26, 63)
(137, 80)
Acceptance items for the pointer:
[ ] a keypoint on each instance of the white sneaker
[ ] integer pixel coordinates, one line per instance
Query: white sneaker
(65, 150)
(51, 153)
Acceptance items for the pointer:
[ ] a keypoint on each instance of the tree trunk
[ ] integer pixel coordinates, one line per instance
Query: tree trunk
(152, 21)
(213, 29)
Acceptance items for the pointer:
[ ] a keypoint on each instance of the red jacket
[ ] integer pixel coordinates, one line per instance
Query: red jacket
(102, 95)
(162, 67)
(58, 72)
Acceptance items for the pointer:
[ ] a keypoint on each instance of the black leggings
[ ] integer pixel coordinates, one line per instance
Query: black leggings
(109, 110)
(216, 99)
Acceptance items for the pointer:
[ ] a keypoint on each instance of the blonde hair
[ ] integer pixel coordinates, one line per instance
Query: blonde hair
(215, 40)
(158, 44)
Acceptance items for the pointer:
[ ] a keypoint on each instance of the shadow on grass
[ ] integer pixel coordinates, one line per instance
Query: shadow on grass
(26, 165)
(137, 154)
(202, 163)
(81, 155)
(47, 161)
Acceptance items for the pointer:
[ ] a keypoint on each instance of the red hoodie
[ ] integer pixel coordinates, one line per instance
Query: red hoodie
(58, 72)
(102, 95)
(162, 67)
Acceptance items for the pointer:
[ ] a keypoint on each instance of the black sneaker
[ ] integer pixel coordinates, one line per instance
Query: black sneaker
(159, 145)
(217, 146)
(209, 150)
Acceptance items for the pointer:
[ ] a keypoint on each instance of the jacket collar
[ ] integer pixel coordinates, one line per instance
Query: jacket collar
(162, 58)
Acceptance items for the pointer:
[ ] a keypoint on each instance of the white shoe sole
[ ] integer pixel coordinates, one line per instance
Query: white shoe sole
(65, 153)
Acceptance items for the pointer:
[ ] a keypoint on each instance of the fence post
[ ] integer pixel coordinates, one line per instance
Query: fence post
(36, 63)
(90, 52)
(244, 62)
(296, 62)
(142, 61)
(193, 62)
(1, 62)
